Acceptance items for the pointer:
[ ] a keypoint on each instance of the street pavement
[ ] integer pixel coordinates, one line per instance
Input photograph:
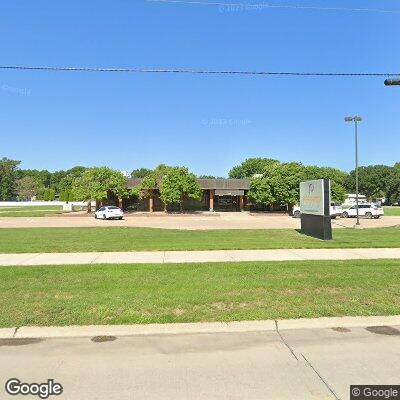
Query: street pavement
(272, 364)
(196, 221)
(165, 257)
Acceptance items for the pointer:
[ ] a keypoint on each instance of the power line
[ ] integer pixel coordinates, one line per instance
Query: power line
(260, 6)
(196, 71)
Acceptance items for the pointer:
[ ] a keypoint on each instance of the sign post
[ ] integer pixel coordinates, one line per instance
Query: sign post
(315, 202)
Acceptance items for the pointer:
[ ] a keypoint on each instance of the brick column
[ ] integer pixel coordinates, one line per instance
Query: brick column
(120, 203)
(151, 203)
(212, 193)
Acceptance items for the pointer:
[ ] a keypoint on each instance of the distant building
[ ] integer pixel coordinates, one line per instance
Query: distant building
(218, 195)
(351, 199)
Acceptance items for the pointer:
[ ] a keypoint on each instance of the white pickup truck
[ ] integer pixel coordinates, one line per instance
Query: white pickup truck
(335, 211)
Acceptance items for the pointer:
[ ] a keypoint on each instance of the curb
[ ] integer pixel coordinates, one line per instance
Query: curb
(197, 328)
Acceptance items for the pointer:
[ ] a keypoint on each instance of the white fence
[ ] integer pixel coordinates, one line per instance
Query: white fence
(41, 203)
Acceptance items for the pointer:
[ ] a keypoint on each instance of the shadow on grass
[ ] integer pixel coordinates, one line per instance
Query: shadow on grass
(305, 234)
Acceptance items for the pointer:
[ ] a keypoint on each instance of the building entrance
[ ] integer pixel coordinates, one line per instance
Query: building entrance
(227, 203)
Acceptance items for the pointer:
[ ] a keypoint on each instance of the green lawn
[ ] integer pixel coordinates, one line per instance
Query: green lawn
(29, 211)
(127, 294)
(34, 240)
(392, 210)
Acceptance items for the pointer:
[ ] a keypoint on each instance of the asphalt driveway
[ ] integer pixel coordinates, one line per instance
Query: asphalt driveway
(242, 220)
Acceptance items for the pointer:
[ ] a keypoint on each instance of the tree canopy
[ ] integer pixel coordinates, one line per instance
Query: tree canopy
(280, 183)
(26, 188)
(42, 177)
(177, 184)
(8, 177)
(210, 177)
(337, 177)
(174, 184)
(375, 181)
(393, 193)
(251, 167)
(272, 182)
(141, 172)
(96, 182)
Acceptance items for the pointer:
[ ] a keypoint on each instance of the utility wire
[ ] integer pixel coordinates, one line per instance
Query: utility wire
(195, 71)
(260, 6)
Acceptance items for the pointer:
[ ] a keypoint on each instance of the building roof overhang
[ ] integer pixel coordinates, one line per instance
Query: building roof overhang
(211, 184)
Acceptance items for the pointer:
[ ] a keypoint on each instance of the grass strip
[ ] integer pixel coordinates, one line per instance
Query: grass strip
(154, 293)
(36, 240)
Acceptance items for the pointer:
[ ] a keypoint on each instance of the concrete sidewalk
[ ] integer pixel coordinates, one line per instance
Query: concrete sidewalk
(165, 257)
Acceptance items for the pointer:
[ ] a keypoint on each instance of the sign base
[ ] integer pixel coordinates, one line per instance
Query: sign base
(317, 225)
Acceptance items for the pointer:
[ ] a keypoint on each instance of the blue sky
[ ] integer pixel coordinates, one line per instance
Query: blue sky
(56, 120)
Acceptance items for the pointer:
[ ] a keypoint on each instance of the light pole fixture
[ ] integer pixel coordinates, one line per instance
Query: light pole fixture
(392, 82)
(356, 119)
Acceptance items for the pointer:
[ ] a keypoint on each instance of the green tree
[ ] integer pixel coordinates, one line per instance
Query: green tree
(279, 184)
(285, 180)
(207, 177)
(251, 167)
(52, 194)
(26, 188)
(66, 196)
(393, 193)
(97, 182)
(66, 183)
(210, 177)
(8, 177)
(261, 191)
(146, 187)
(373, 181)
(337, 177)
(42, 177)
(150, 182)
(177, 185)
(46, 194)
(76, 172)
(56, 178)
(141, 172)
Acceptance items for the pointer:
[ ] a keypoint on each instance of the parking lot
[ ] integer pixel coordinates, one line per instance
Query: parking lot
(161, 220)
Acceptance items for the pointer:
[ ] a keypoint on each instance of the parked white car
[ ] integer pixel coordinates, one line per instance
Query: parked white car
(368, 210)
(335, 211)
(109, 212)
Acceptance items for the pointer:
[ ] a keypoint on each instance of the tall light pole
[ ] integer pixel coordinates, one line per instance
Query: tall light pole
(356, 120)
